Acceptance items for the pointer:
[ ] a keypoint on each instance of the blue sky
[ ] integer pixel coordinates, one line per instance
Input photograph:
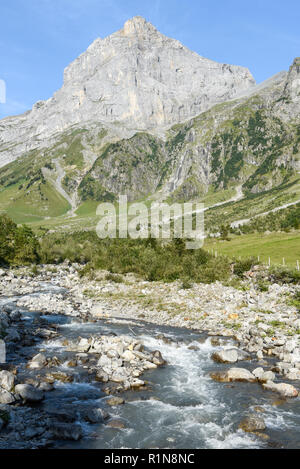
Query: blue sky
(39, 38)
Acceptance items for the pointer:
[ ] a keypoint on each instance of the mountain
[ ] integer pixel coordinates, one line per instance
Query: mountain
(136, 79)
(139, 114)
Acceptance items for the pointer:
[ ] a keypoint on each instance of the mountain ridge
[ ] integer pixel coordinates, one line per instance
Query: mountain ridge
(136, 79)
(250, 140)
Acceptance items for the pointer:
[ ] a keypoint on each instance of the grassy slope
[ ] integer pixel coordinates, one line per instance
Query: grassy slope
(275, 245)
(30, 206)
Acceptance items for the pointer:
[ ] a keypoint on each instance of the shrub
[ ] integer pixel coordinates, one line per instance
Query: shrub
(244, 265)
(284, 275)
(18, 245)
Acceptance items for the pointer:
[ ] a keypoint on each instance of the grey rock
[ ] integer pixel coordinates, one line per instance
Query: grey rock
(285, 390)
(7, 380)
(225, 356)
(263, 376)
(6, 397)
(114, 401)
(65, 431)
(96, 416)
(37, 362)
(29, 393)
(253, 423)
(137, 77)
(234, 374)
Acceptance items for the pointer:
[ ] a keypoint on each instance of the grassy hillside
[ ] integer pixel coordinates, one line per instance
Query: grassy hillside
(275, 245)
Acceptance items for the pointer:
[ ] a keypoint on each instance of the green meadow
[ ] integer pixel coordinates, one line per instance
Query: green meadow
(276, 246)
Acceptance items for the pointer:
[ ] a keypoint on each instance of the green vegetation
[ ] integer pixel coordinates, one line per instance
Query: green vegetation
(252, 205)
(149, 259)
(18, 245)
(276, 246)
(282, 220)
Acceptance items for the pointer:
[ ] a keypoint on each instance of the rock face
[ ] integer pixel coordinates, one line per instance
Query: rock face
(138, 78)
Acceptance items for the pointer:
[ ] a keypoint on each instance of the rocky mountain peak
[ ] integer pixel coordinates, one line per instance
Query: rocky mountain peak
(292, 87)
(137, 79)
(138, 26)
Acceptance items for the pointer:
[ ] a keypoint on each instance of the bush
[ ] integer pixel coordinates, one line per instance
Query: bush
(244, 265)
(18, 245)
(284, 275)
(149, 259)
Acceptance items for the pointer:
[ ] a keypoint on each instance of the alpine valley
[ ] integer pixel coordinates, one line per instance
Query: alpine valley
(140, 114)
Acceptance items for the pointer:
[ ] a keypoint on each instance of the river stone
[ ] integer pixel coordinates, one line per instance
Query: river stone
(83, 346)
(29, 393)
(285, 390)
(102, 376)
(59, 376)
(38, 362)
(128, 356)
(46, 387)
(149, 366)
(253, 423)
(263, 376)
(234, 374)
(6, 397)
(225, 356)
(96, 416)
(114, 401)
(7, 380)
(118, 424)
(157, 358)
(293, 375)
(65, 431)
(104, 361)
(137, 383)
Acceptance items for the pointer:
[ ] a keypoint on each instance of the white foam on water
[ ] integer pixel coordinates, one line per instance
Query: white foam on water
(208, 420)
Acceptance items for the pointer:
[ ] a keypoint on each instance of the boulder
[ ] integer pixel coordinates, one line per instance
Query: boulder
(253, 423)
(118, 424)
(102, 376)
(285, 390)
(128, 356)
(263, 376)
(225, 356)
(29, 393)
(84, 346)
(234, 374)
(293, 374)
(95, 416)
(37, 362)
(65, 431)
(114, 401)
(6, 397)
(7, 380)
(157, 358)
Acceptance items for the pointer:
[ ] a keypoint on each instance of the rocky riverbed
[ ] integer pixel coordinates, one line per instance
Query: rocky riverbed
(78, 349)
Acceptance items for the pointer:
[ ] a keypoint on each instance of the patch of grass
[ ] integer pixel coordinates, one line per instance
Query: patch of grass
(295, 301)
(114, 278)
(275, 246)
